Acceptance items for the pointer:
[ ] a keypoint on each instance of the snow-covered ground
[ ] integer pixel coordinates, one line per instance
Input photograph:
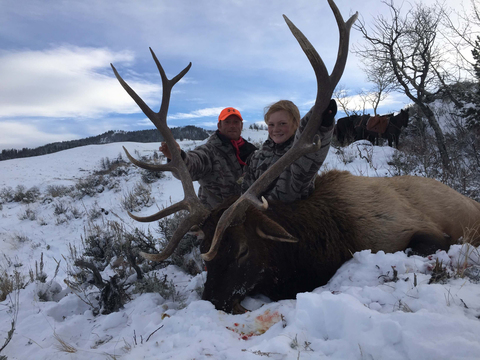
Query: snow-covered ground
(377, 306)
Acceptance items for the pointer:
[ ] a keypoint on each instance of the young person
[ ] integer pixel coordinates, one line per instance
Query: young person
(284, 126)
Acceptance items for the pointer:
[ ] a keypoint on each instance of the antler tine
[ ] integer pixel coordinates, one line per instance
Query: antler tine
(181, 205)
(344, 31)
(309, 141)
(197, 212)
(151, 167)
(174, 241)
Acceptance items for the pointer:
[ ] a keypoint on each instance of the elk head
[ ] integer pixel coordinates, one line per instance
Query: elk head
(230, 228)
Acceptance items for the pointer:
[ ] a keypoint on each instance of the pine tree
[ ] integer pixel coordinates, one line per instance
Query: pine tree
(472, 113)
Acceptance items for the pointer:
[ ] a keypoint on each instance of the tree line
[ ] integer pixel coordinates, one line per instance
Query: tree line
(143, 136)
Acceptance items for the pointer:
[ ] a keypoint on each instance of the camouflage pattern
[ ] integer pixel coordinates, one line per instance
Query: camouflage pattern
(298, 180)
(216, 168)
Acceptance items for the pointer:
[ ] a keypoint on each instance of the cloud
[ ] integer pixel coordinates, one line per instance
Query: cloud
(209, 112)
(16, 136)
(209, 124)
(66, 81)
(56, 74)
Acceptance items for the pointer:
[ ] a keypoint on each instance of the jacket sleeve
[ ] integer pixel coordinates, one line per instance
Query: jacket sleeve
(249, 171)
(298, 180)
(199, 161)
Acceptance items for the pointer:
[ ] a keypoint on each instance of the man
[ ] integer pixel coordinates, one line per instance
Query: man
(219, 163)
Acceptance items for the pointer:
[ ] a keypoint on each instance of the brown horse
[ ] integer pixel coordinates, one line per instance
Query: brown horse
(361, 132)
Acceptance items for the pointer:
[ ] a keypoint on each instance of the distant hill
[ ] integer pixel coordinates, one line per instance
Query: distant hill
(143, 136)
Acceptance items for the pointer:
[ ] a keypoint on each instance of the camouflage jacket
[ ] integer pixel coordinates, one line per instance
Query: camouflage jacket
(216, 168)
(298, 180)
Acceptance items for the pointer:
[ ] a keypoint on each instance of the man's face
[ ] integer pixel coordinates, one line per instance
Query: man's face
(231, 127)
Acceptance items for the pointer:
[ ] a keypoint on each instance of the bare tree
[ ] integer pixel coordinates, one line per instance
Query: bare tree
(383, 82)
(461, 30)
(363, 99)
(407, 48)
(345, 100)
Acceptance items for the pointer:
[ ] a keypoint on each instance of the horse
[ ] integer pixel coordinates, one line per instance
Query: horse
(360, 127)
(394, 128)
(344, 130)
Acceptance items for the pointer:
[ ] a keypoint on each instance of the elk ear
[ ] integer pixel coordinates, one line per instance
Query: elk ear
(271, 230)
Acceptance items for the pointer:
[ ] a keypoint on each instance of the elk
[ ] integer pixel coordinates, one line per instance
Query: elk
(251, 246)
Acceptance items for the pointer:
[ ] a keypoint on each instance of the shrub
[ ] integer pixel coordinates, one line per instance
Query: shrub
(28, 214)
(187, 254)
(26, 196)
(98, 243)
(116, 167)
(77, 214)
(152, 284)
(11, 282)
(7, 194)
(19, 238)
(90, 186)
(108, 245)
(149, 177)
(59, 190)
(60, 208)
(45, 291)
(137, 198)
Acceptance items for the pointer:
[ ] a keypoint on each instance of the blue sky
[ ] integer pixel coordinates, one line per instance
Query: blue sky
(57, 84)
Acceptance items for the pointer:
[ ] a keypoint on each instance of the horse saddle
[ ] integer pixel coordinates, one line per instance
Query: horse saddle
(378, 124)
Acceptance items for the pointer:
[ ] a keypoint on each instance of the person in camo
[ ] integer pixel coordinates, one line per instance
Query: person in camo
(284, 127)
(219, 163)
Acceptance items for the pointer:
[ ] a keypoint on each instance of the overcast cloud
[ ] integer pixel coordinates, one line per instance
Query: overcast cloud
(57, 83)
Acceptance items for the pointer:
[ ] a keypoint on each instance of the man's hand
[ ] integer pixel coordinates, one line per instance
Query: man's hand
(166, 151)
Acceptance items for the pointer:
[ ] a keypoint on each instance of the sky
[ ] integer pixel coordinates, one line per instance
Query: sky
(57, 83)
(361, 314)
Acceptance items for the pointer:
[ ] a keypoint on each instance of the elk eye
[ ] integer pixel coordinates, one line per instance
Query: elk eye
(242, 253)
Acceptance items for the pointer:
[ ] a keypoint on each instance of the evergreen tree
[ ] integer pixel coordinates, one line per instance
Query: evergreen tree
(472, 112)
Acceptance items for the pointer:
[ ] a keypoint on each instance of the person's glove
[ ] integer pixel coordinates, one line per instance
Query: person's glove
(329, 114)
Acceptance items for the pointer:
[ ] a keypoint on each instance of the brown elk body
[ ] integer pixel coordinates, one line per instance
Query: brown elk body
(345, 214)
(282, 249)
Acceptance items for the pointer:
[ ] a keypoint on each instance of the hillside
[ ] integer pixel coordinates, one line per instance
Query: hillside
(73, 204)
(143, 136)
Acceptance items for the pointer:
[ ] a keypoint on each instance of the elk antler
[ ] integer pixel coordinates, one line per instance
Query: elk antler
(309, 140)
(197, 212)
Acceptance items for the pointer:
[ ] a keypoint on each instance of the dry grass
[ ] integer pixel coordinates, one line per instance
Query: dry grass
(471, 235)
(63, 346)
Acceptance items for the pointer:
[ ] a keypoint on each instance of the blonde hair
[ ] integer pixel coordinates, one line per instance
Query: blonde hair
(286, 105)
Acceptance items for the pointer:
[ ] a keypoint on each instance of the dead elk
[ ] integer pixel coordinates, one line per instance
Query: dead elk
(345, 214)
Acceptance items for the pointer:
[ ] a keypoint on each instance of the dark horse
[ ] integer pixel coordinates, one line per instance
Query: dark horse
(344, 130)
(352, 128)
(394, 128)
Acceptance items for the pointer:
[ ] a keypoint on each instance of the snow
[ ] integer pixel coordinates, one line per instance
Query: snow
(377, 306)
